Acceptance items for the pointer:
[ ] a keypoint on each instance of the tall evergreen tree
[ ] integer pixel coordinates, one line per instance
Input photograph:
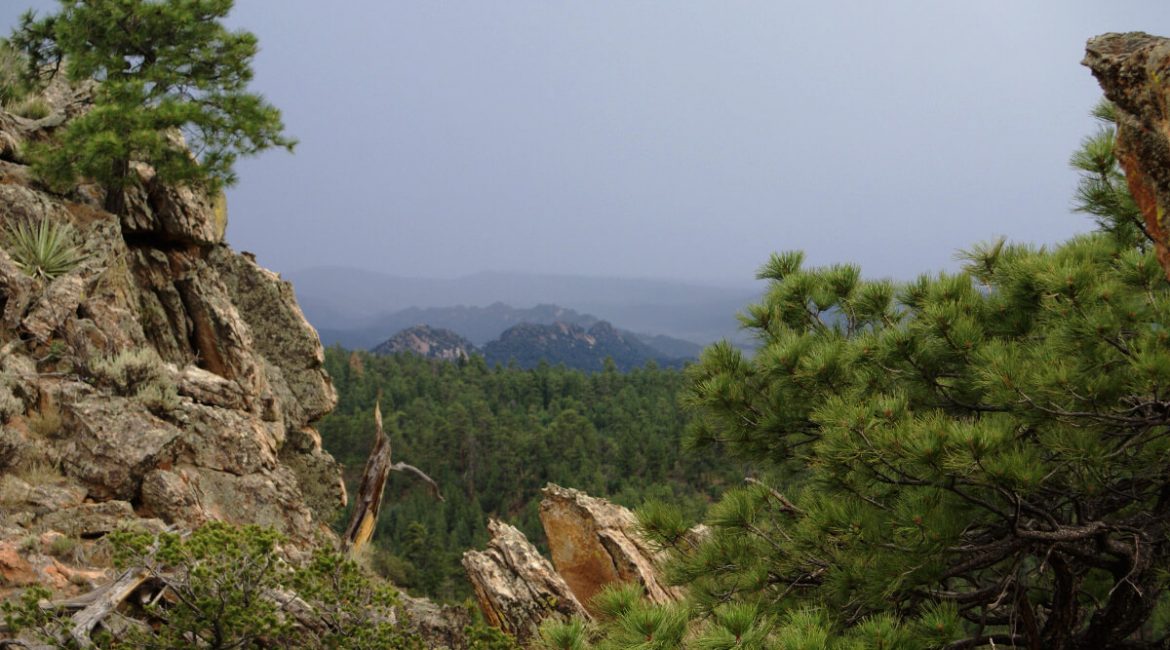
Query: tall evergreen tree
(974, 459)
(167, 68)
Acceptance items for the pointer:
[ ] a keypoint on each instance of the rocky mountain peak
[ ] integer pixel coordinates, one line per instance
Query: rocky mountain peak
(427, 341)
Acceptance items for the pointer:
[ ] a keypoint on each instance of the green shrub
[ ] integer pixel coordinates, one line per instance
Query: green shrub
(128, 372)
(45, 249)
(234, 588)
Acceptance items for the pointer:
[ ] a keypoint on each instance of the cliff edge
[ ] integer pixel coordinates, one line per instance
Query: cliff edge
(161, 380)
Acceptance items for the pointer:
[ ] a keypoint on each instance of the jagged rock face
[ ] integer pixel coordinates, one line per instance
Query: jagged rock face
(594, 543)
(516, 587)
(236, 444)
(1134, 71)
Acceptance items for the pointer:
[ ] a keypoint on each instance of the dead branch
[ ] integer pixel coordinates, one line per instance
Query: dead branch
(369, 496)
(403, 467)
(85, 620)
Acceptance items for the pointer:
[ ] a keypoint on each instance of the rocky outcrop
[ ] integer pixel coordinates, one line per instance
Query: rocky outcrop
(223, 428)
(1134, 71)
(594, 543)
(516, 587)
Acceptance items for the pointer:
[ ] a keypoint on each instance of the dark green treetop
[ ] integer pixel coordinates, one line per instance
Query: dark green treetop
(170, 74)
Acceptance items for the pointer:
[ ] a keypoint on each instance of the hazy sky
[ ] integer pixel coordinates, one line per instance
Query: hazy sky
(668, 139)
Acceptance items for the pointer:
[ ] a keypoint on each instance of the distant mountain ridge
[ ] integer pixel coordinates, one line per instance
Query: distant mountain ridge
(360, 308)
(529, 344)
(478, 324)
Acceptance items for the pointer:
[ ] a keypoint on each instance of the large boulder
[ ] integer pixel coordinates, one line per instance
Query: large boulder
(516, 587)
(594, 543)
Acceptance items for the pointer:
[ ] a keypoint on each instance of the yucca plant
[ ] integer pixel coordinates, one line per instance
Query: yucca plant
(45, 249)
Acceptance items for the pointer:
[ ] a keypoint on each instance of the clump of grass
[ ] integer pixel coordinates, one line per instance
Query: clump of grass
(45, 249)
(29, 544)
(40, 473)
(66, 548)
(33, 108)
(138, 374)
(159, 398)
(46, 422)
(129, 371)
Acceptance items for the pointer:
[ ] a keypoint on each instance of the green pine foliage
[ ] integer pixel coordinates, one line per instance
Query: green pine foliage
(972, 459)
(493, 437)
(169, 70)
(967, 460)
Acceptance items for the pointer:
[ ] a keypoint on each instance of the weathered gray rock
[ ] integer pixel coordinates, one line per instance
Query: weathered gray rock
(209, 388)
(270, 499)
(173, 214)
(282, 337)
(594, 543)
(442, 626)
(516, 587)
(169, 496)
(89, 519)
(237, 442)
(16, 292)
(317, 472)
(112, 443)
(58, 303)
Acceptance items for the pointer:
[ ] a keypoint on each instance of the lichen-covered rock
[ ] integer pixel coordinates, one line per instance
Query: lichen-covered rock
(321, 484)
(594, 543)
(281, 335)
(173, 214)
(16, 292)
(441, 626)
(112, 442)
(89, 519)
(516, 587)
(208, 388)
(1134, 71)
(169, 496)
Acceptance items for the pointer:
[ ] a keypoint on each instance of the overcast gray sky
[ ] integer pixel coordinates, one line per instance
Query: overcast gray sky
(668, 139)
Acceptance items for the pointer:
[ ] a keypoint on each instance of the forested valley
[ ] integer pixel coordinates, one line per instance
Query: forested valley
(492, 437)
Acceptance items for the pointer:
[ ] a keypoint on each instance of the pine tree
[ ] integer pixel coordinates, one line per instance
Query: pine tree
(172, 93)
(972, 459)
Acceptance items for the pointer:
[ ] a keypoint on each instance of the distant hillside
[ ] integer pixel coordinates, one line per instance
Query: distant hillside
(478, 324)
(360, 308)
(528, 344)
(670, 347)
(430, 342)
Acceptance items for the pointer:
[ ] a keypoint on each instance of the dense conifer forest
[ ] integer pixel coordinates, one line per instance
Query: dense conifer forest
(492, 437)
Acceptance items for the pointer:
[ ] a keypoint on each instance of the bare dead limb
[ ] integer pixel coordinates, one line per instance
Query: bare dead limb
(85, 620)
(369, 496)
(418, 473)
